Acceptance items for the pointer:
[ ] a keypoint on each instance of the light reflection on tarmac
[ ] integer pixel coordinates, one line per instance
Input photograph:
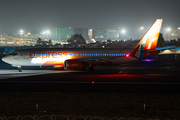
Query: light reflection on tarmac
(70, 76)
(101, 80)
(7, 74)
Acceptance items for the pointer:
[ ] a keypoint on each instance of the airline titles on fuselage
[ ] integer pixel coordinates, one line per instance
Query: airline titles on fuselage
(45, 55)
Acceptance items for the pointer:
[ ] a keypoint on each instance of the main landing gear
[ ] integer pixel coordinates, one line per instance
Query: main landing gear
(91, 69)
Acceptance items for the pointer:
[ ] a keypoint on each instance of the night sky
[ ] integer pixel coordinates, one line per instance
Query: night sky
(39, 15)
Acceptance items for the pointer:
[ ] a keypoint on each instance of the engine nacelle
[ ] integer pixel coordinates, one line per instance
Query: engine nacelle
(73, 65)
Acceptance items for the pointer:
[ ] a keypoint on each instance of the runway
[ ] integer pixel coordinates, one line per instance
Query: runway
(7, 74)
(154, 77)
(97, 81)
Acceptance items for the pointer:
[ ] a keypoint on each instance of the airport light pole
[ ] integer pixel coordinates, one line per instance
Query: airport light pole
(141, 32)
(47, 33)
(21, 33)
(168, 31)
(142, 28)
(44, 32)
(123, 32)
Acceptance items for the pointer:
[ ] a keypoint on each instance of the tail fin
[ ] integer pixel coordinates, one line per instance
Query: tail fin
(148, 41)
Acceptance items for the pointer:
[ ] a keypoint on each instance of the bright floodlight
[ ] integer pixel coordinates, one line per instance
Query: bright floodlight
(47, 31)
(21, 31)
(168, 29)
(123, 31)
(142, 28)
(44, 32)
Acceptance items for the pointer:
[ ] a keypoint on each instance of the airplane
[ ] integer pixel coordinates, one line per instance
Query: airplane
(11, 43)
(82, 58)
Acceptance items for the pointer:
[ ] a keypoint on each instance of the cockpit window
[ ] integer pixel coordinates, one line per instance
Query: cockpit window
(13, 54)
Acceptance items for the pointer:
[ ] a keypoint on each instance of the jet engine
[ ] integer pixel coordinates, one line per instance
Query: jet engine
(73, 65)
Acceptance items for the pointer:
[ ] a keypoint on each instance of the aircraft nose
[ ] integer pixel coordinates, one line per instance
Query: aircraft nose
(5, 59)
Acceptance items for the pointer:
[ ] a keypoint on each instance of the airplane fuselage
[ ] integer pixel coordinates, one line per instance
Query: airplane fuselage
(57, 56)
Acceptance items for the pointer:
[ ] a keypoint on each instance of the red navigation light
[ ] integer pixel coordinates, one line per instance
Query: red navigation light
(127, 55)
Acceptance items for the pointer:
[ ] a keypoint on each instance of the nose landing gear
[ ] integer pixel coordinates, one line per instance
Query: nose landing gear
(91, 69)
(20, 69)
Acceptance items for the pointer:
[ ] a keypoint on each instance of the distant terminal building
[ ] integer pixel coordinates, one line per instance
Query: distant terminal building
(112, 33)
(171, 34)
(60, 34)
(82, 31)
(100, 34)
(91, 34)
(109, 33)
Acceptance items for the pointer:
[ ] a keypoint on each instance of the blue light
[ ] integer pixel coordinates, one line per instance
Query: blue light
(148, 60)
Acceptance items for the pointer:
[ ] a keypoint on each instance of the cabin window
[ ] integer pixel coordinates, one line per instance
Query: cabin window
(13, 54)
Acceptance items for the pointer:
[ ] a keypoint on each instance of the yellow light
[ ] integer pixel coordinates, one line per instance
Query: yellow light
(123, 31)
(42, 61)
(169, 29)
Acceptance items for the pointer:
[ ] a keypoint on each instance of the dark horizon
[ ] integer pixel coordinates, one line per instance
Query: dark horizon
(37, 16)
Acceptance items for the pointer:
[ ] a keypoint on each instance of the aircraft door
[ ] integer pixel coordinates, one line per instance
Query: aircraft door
(26, 55)
(26, 61)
